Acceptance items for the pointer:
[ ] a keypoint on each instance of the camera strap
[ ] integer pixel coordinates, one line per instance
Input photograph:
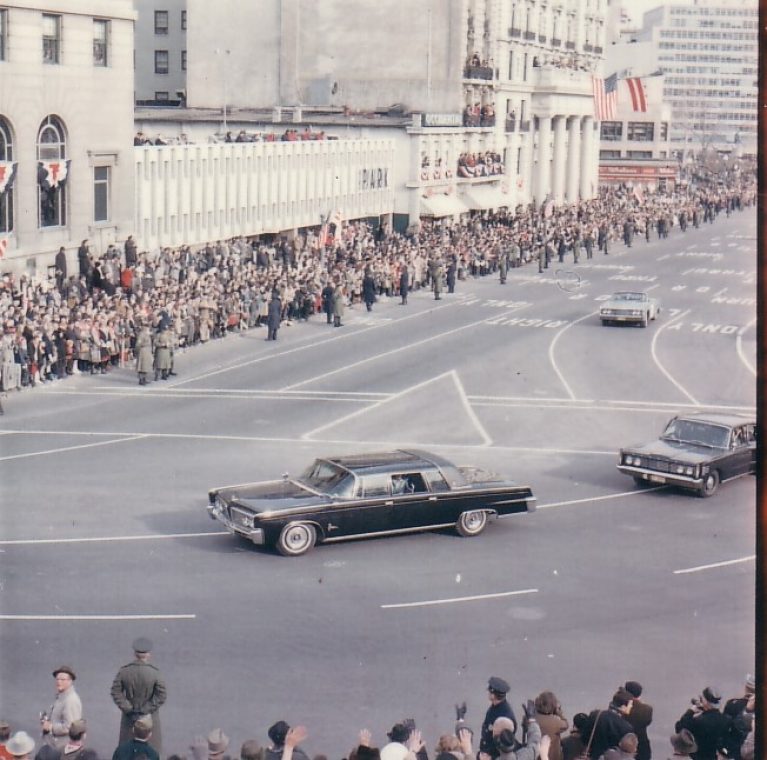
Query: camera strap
(593, 731)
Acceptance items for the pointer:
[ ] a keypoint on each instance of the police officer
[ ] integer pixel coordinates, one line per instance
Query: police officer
(139, 690)
(497, 689)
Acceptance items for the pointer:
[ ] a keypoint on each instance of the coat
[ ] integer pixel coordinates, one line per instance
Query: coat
(608, 727)
(710, 729)
(139, 689)
(274, 314)
(338, 302)
(553, 726)
(134, 748)
(144, 351)
(65, 709)
(369, 289)
(640, 718)
(162, 352)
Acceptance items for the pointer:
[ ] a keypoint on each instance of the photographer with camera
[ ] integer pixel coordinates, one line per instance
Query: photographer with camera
(707, 724)
(66, 708)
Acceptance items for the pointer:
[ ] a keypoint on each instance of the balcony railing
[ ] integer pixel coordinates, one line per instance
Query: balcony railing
(515, 32)
(511, 125)
(524, 126)
(478, 72)
(569, 46)
(529, 35)
(587, 47)
(598, 49)
(556, 42)
(475, 120)
(541, 38)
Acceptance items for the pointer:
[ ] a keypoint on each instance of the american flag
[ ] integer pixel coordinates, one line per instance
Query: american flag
(605, 97)
(638, 94)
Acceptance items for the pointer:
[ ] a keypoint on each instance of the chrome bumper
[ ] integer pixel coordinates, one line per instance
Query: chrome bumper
(256, 535)
(661, 478)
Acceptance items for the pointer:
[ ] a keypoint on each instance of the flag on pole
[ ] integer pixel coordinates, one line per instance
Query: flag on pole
(605, 97)
(638, 94)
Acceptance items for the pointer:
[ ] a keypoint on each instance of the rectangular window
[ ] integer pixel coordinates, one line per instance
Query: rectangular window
(183, 21)
(611, 130)
(51, 38)
(641, 131)
(161, 22)
(183, 60)
(3, 34)
(609, 154)
(664, 130)
(100, 41)
(100, 193)
(160, 61)
(639, 154)
(161, 95)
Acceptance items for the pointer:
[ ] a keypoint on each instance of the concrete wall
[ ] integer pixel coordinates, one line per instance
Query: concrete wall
(94, 104)
(292, 52)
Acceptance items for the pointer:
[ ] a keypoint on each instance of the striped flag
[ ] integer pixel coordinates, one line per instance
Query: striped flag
(605, 97)
(638, 94)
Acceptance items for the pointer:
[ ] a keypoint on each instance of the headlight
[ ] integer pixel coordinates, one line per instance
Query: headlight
(689, 471)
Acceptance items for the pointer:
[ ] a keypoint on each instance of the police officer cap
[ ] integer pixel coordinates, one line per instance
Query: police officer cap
(142, 645)
(498, 684)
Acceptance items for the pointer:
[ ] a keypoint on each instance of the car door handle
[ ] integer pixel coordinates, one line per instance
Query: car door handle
(388, 503)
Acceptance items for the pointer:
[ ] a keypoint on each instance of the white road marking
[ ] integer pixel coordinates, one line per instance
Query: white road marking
(678, 385)
(103, 539)
(469, 411)
(739, 347)
(600, 498)
(432, 602)
(98, 617)
(697, 569)
(128, 437)
(314, 343)
(376, 357)
(551, 352)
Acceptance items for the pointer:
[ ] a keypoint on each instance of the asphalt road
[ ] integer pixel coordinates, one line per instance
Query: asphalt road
(105, 535)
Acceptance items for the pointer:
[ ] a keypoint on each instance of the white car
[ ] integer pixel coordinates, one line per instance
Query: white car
(629, 306)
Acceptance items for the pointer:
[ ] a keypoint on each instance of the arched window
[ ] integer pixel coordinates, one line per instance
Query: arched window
(52, 172)
(6, 180)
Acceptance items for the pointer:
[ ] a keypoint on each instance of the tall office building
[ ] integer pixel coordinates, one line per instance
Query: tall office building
(708, 52)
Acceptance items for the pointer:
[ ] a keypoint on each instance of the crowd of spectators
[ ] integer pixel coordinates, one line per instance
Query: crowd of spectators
(478, 115)
(88, 320)
(242, 136)
(708, 730)
(480, 164)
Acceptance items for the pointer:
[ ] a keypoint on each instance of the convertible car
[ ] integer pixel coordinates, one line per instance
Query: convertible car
(362, 495)
(627, 306)
(696, 451)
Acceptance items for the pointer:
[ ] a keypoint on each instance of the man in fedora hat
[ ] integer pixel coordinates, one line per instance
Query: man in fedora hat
(139, 743)
(138, 690)
(683, 744)
(20, 745)
(66, 708)
(706, 723)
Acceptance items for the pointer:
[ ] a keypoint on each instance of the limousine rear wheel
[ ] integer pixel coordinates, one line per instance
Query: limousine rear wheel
(471, 523)
(710, 484)
(296, 539)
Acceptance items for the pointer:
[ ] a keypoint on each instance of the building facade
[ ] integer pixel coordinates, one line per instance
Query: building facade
(160, 56)
(66, 121)
(708, 52)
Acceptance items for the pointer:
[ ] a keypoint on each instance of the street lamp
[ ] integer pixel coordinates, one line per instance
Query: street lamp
(220, 51)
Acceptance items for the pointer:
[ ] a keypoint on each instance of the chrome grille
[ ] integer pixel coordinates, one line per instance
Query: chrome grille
(655, 463)
(241, 517)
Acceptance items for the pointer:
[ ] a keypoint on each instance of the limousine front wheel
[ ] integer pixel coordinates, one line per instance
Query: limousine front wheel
(296, 539)
(471, 523)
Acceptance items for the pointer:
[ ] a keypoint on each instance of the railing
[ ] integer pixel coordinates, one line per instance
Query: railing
(478, 72)
(515, 32)
(569, 45)
(529, 35)
(511, 125)
(524, 126)
(556, 42)
(598, 49)
(588, 47)
(473, 120)
(541, 38)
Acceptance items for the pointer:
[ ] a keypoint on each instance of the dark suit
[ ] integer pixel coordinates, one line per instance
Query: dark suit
(273, 317)
(404, 283)
(640, 718)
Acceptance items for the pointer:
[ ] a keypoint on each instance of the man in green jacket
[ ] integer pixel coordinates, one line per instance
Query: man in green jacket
(139, 690)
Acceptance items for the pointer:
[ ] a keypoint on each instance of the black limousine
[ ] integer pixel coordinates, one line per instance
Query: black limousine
(696, 451)
(363, 495)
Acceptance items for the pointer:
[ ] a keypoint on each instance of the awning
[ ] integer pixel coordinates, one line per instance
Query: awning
(480, 197)
(442, 205)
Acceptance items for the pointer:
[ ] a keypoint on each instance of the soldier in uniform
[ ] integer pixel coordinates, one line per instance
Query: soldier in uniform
(144, 354)
(435, 272)
(503, 265)
(139, 690)
(162, 355)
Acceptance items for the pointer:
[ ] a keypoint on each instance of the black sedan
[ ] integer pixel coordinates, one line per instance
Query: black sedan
(366, 495)
(696, 451)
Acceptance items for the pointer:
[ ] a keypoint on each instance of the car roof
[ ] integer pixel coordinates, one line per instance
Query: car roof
(385, 461)
(716, 418)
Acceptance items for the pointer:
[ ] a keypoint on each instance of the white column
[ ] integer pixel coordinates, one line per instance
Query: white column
(525, 192)
(587, 157)
(543, 174)
(573, 158)
(558, 167)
